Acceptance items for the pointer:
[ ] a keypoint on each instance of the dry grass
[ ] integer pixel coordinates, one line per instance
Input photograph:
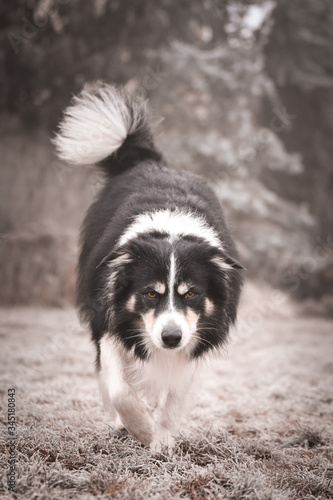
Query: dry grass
(259, 427)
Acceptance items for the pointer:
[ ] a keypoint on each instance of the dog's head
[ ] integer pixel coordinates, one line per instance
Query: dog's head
(171, 293)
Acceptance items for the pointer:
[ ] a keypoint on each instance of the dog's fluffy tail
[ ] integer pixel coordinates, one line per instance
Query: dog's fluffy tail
(107, 126)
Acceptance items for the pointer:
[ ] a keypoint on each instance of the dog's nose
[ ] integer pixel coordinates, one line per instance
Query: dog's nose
(171, 337)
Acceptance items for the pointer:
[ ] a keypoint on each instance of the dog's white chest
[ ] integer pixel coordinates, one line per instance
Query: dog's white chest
(164, 372)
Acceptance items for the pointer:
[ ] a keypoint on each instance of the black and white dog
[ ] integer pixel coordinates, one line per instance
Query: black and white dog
(159, 277)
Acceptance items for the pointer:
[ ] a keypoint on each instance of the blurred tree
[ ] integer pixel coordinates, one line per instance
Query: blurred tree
(299, 59)
(51, 47)
(202, 65)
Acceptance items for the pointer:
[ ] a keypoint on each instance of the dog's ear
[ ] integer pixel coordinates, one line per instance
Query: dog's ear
(232, 262)
(225, 262)
(116, 258)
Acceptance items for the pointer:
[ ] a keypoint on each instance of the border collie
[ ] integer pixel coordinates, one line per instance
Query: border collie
(159, 276)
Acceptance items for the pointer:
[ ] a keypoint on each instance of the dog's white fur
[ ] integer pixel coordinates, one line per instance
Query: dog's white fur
(174, 223)
(145, 398)
(96, 125)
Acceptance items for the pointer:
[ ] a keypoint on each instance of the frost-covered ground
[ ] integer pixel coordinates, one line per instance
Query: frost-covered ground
(259, 425)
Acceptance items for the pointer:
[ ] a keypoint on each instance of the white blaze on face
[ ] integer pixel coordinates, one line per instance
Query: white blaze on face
(171, 316)
(172, 279)
(186, 321)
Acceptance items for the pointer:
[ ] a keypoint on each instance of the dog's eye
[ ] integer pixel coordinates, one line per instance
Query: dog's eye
(190, 294)
(152, 294)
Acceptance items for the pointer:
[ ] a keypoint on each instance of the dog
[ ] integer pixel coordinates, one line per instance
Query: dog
(159, 276)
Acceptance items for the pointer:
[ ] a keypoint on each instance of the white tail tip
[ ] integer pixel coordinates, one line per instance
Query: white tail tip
(96, 124)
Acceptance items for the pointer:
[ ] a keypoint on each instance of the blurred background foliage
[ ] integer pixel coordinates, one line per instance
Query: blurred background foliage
(245, 92)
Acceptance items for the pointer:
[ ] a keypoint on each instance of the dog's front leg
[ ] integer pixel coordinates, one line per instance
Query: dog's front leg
(166, 427)
(169, 418)
(133, 414)
(119, 396)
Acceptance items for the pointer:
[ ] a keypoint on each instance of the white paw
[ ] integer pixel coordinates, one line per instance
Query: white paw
(118, 425)
(141, 426)
(135, 418)
(162, 439)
